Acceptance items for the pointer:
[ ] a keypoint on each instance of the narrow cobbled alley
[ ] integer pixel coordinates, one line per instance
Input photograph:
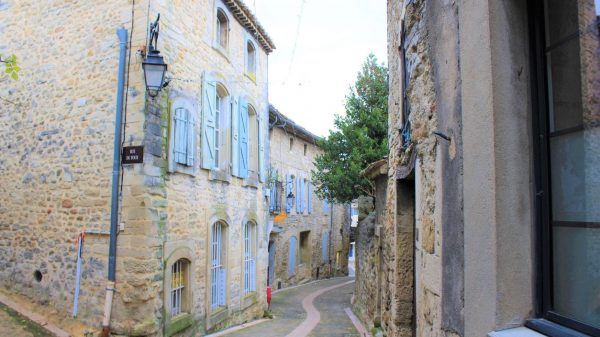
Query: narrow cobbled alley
(314, 309)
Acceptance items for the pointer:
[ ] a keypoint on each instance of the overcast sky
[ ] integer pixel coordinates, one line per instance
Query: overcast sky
(334, 38)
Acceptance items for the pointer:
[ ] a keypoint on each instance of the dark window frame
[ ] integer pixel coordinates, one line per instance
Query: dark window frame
(550, 322)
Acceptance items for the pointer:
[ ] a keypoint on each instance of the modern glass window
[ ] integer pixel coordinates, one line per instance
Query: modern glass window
(179, 271)
(249, 257)
(568, 64)
(222, 29)
(218, 274)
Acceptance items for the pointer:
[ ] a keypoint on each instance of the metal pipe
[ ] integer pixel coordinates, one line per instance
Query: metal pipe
(114, 208)
(78, 275)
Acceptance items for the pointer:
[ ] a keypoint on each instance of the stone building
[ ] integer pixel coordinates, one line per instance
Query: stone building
(191, 248)
(309, 238)
(493, 127)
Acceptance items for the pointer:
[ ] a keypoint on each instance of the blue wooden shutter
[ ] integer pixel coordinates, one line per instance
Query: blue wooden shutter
(309, 196)
(235, 137)
(209, 101)
(191, 123)
(288, 189)
(243, 132)
(179, 147)
(325, 246)
(261, 149)
(292, 256)
(326, 206)
(298, 194)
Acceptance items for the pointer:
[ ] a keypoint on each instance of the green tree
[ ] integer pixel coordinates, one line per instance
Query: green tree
(359, 137)
(10, 66)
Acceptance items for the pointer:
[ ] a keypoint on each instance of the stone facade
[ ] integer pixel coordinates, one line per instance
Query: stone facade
(292, 152)
(462, 184)
(55, 170)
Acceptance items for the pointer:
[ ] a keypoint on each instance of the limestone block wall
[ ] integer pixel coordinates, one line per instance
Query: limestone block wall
(55, 170)
(57, 125)
(294, 160)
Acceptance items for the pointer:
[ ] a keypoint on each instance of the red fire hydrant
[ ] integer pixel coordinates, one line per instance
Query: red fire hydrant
(269, 295)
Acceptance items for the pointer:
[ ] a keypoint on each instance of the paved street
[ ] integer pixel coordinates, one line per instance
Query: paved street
(325, 300)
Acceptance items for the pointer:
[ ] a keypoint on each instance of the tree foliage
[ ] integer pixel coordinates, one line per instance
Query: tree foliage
(359, 137)
(11, 67)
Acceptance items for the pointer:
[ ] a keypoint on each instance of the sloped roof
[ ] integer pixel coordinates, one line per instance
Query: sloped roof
(245, 17)
(279, 120)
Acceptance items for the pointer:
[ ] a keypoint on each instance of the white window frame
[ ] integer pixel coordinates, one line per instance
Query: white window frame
(178, 281)
(251, 73)
(218, 295)
(219, 103)
(218, 28)
(249, 257)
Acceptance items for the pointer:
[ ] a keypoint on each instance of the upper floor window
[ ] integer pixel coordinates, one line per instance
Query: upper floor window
(215, 114)
(182, 135)
(251, 60)
(222, 29)
(253, 140)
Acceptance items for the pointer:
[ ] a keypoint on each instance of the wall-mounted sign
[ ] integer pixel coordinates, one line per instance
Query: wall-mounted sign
(133, 155)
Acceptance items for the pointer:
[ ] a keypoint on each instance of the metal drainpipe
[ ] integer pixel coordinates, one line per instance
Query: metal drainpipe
(114, 208)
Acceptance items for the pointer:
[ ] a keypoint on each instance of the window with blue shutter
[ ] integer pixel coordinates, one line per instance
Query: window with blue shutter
(289, 184)
(325, 247)
(292, 256)
(180, 135)
(243, 135)
(235, 137)
(298, 194)
(309, 197)
(209, 96)
(261, 149)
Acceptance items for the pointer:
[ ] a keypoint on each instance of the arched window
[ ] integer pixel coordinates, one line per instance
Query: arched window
(249, 257)
(251, 60)
(253, 139)
(222, 29)
(218, 271)
(180, 301)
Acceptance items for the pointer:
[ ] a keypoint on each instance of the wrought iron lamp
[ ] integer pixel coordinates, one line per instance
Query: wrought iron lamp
(154, 65)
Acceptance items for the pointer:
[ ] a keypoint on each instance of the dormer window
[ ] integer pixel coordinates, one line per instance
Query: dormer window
(250, 60)
(222, 29)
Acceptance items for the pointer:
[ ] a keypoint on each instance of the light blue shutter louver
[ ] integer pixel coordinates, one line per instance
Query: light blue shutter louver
(292, 257)
(288, 189)
(235, 137)
(190, 137)
(180, 135)
(273, 192)
(298, 194)
(325, 247)
(309, 197)
(243, 133)
(209, 95)
(261, 150)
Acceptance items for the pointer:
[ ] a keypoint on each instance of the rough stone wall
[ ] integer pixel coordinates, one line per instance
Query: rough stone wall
(55, 169)
(294, 161)
(55, 172)
(366, 288)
